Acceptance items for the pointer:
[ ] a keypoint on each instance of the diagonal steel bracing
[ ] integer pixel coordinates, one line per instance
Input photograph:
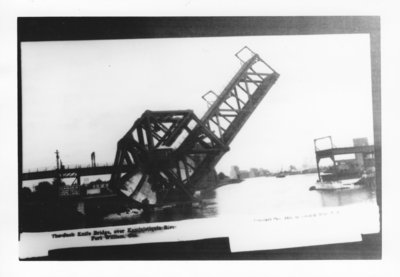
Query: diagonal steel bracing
(167, 155)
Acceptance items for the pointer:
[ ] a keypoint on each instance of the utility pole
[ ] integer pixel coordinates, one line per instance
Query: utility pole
(58, 159)
(93, 157)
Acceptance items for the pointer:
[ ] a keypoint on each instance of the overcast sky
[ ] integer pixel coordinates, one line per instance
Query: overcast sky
(82, 96)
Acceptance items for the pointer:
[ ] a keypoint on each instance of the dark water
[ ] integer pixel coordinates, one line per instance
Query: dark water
(254, 196)
(261, 195)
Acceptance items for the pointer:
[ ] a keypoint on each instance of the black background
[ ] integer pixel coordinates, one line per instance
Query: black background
(91, 28)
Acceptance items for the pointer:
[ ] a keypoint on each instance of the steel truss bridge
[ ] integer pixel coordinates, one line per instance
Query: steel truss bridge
(171, 154)
(334, 151)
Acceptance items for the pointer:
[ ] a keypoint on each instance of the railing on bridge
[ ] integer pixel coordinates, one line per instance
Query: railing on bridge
(76, 166)
(69, 172)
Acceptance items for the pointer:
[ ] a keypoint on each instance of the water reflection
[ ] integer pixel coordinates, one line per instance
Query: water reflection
(262, 195)
(346, 197)
(269, 194)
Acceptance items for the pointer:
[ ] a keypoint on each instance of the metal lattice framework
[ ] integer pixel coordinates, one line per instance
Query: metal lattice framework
(170, 154)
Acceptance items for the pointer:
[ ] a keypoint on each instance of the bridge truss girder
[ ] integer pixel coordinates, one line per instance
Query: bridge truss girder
(172, 152)
(163, 150)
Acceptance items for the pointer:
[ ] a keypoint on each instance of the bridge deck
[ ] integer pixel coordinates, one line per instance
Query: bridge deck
(368, 149)
(73, 172)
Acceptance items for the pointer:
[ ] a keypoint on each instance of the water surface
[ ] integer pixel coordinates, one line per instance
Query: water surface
(263, 195)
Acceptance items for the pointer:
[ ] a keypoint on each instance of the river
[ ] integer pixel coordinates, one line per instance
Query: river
(263, 195)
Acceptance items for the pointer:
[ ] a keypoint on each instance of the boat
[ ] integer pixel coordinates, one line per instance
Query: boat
(337, 184)
(280, 175)
(129, 214)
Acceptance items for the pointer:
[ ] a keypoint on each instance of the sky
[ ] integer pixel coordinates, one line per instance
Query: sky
(83, 96)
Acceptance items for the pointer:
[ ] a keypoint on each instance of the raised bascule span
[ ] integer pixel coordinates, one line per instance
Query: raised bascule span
(168, 155)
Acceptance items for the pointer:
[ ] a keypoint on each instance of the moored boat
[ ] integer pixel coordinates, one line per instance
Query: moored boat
(129, 214)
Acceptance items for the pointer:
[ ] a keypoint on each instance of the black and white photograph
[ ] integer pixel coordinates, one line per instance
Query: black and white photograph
(199, 138)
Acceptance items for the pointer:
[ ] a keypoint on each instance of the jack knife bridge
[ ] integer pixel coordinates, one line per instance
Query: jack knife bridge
(167, 155)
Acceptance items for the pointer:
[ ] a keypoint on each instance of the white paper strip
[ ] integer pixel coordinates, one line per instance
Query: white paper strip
(246, 233)
(306, 228)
